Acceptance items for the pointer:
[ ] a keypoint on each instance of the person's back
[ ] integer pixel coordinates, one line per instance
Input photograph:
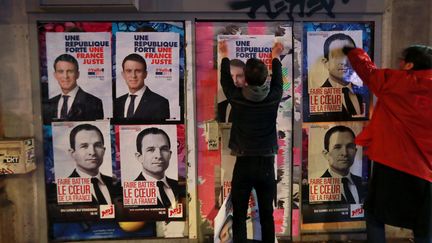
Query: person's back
(398, 140)
(253, 139)
(254, 110)
(403, 114)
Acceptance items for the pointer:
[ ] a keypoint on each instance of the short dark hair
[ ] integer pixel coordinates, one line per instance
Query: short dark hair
(255, 72)
(337, 36)
(147, 131)
(81, 127)
(66, 58)
(237, 63)
(135, 57)
(419, 55)
(334, 130)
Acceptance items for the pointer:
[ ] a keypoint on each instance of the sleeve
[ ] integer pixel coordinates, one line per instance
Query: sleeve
(373, 77)
(226, 80)
(276, 80)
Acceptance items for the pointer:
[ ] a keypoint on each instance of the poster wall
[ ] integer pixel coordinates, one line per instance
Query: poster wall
(91, 153)
(215, 166)
(336, 106)
(332, 90)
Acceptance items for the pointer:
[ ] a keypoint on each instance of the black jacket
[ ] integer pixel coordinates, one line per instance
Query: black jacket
(171, 182)
(85, 107)
(358, 182)
(253, 130)
(108, 181)
(362, 96)
(152, 107)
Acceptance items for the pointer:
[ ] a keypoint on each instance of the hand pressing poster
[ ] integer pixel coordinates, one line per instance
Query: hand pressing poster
(332, 90)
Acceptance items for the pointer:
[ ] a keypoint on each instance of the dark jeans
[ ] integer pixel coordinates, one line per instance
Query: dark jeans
(253, 172)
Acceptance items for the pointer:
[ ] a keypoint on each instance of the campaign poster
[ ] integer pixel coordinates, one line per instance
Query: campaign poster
(332, 89)
(153, 188)
(240, 49)
(215, 166)
(335, 175)
(83, 187)
(78, 67)
(156, 83)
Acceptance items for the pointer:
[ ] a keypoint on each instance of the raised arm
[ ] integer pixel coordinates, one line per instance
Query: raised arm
(276, 81)
(226, 80)
(365, 68)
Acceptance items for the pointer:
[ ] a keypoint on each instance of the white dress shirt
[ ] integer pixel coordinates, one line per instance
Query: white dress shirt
(102, 186)
(139, 94)
(352, 187)
(352, 95)
(167, 188)
(70, 100)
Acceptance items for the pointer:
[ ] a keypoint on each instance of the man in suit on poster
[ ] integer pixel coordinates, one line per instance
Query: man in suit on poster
(154, 153)
(237, 73)
(340, 151)
(339, 76)
(140, 103)
(73, 104)
(87, 150)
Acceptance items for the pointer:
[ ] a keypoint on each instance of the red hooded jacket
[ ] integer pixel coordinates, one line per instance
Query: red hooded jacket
(399, 134)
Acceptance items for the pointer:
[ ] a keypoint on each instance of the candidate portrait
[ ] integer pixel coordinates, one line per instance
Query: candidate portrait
(339, 75)
(238, 76)
(153, 153)
(87, 150)
(140, 103)
(336, 93)
(73, 103)
(340, 151)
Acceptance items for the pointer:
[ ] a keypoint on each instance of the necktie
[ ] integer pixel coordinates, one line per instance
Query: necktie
(348, 102)
(63, 111)
(99, 196)
(165, 200)
(131, 108)
(348, 195)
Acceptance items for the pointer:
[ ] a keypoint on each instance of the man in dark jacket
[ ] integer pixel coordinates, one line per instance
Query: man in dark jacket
(87, 150)
(73, 104)
(140, 103)
(154, 154)
(340, 151)
(253, 139)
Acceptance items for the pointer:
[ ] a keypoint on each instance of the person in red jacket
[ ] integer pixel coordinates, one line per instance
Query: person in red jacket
(399, 141)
